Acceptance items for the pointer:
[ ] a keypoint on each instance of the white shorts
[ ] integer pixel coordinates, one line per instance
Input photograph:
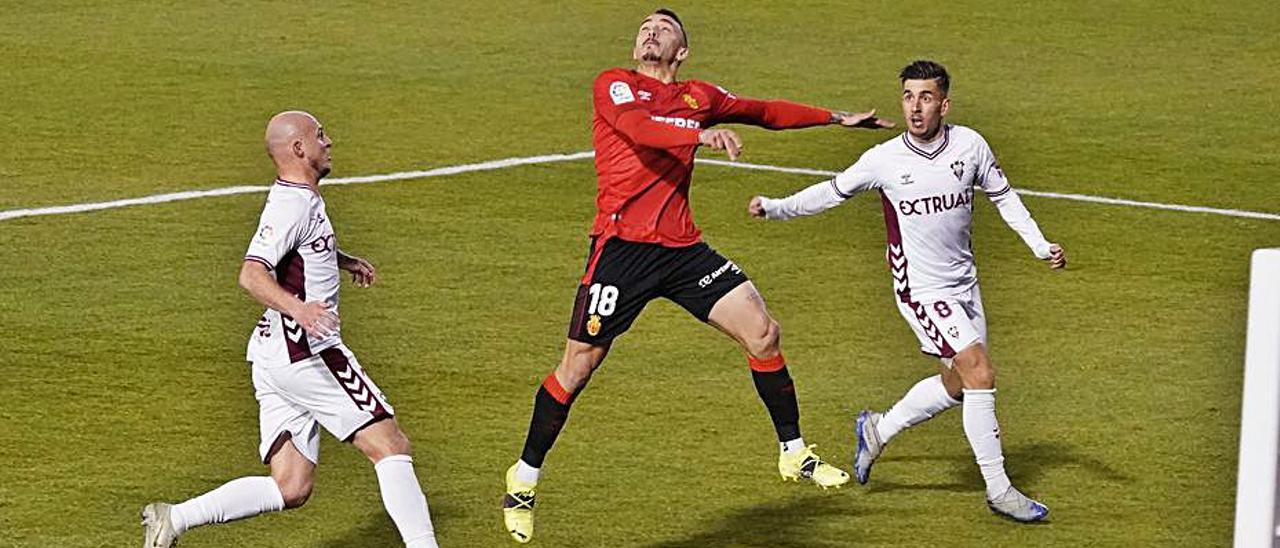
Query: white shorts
(947, 326)
(329, 389)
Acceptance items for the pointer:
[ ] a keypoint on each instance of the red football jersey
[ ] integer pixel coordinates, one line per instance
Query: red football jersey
(645, 134)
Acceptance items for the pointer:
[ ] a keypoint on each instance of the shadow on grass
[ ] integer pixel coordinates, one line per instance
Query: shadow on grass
(1026, 465)
(777, 525)
(378, 531)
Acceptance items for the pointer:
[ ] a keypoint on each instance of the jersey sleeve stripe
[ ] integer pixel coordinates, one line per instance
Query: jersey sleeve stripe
(1000, 192)
(258, 259)
(839, 192)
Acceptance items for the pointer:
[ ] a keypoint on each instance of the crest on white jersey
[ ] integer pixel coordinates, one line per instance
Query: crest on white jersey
(620, 92)
(267, 234)
(957, 167)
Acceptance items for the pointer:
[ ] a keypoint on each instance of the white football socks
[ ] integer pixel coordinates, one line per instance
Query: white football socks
(526, 473)
(791, 446)
(983, 431)
(403, 498)
(236, 499)
(924, 400)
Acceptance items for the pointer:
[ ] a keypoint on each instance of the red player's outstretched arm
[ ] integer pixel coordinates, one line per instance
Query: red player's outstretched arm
(615, 102)
(775, 114)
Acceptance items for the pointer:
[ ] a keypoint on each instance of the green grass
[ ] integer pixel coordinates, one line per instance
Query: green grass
(1120, 378)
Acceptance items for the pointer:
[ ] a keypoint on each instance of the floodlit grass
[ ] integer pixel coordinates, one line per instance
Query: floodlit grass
(1120, 378)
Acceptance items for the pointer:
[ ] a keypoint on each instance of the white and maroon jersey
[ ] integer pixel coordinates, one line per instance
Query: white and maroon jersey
(295, 241)
(927, 193)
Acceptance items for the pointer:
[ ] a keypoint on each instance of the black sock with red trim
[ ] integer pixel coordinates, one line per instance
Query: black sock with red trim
(550, 410)
(778, 393)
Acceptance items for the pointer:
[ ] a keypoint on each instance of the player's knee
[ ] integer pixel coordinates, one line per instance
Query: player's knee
(975, 371)
(577, 366)
(573, 374)
(392, 443)
(766, 342)
(295, 490)
(400, 444)
(576, 371)
(382, 439)
(982, 378)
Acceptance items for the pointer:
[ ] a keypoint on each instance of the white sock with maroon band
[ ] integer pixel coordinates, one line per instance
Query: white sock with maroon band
(924, 400)
(983, 431)
(402, 495)
(236, 499)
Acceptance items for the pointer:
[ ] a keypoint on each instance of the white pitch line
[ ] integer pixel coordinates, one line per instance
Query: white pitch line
(767, 167)
(1153, 205)
(551, 158)
(464, 168)
(231, 190)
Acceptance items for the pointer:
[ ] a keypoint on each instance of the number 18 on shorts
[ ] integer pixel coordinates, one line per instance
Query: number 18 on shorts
(622, 277)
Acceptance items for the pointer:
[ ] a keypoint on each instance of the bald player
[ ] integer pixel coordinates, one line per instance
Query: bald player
(303, 376)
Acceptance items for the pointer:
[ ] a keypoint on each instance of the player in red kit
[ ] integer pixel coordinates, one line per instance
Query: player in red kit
(644, 245)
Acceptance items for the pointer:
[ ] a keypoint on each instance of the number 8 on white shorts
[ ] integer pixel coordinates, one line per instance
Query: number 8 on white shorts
(947, 326)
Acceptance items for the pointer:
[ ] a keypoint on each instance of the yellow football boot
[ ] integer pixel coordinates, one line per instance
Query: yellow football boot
(517, 508)
(805, 464)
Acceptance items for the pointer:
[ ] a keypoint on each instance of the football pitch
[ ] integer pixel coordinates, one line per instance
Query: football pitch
(124, 330)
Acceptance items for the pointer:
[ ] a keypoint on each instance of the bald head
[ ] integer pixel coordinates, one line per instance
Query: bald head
(297, 144)
(286, 128)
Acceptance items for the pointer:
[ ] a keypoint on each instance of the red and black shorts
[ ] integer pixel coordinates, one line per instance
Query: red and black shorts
(622, 277)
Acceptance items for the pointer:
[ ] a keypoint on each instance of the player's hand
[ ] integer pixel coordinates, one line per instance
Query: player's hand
(318, 318)
(722, 139)
(1057, 257)
(362, 272)
(865, 120)
(756, 207)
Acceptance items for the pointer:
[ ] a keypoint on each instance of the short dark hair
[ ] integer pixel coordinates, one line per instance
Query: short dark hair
(672, 14)
(927, 70)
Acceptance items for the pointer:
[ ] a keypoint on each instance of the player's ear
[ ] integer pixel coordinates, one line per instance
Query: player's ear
(946, 105)
(297, 149)
(682, 54)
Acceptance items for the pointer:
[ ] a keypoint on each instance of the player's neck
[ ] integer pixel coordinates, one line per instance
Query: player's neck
(300, 177)
(928, 141)
(658, 71)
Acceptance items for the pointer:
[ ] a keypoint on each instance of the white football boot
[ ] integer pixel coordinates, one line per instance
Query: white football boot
(1018, 507)
(869, 445)
(158, 527)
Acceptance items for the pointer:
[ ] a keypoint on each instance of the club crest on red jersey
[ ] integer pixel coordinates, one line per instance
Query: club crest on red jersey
(689, 100)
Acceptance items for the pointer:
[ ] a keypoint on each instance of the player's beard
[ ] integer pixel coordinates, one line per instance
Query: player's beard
(650, 57)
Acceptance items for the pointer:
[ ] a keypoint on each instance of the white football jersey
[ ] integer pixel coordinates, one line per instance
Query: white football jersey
(295, 241)
(927, 197)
